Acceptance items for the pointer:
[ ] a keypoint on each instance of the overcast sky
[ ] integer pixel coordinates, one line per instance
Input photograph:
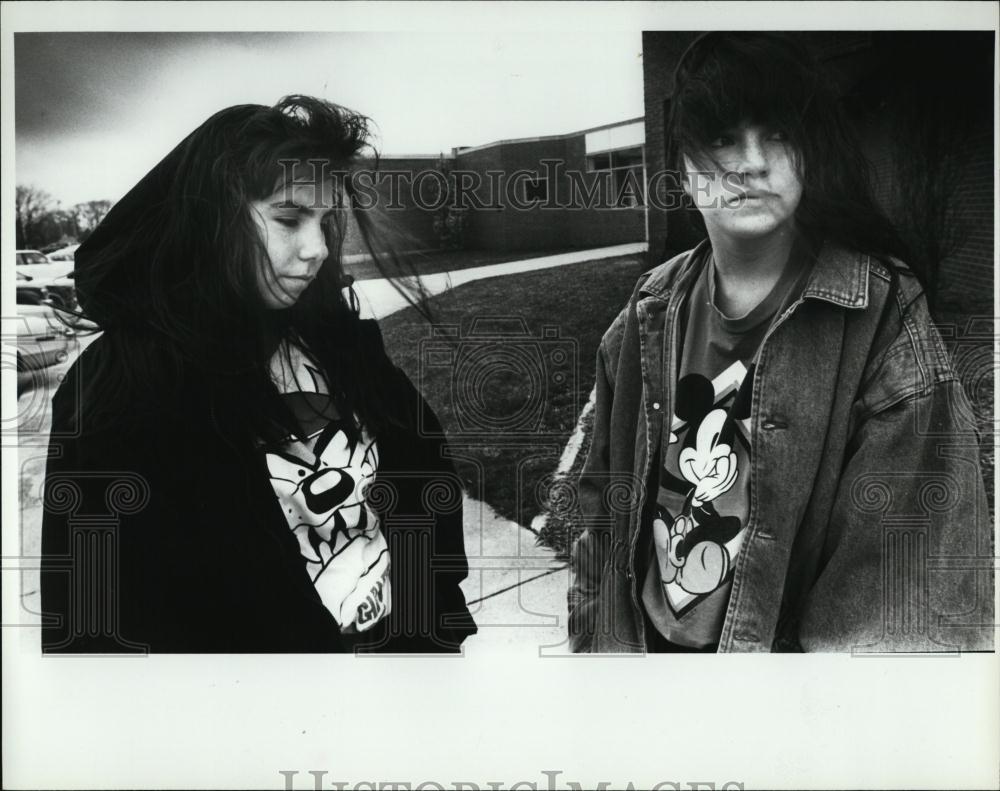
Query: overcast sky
(95, 111)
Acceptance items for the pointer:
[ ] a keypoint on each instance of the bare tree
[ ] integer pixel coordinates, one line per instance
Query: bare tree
(32, 205)
(57, 227)
(90, 213)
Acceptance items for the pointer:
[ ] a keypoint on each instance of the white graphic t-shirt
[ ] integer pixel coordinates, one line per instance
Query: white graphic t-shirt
(321, 482)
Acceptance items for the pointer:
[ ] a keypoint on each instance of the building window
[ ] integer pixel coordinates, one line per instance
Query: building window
(599, 162)
(626, 175)
(536, 189)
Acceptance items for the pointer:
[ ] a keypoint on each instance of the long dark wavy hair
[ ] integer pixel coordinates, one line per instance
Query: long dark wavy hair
(728, 78)
(171, 276)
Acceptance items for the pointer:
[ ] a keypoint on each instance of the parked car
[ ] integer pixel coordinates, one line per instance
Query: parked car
(55, 278)
(64, 253)
(30, 291)
(62, 291)
(42, 339)
(36, 264)
(58, 292)
(32, 257)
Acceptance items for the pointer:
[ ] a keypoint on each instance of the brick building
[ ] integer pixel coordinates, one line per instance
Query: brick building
(582, 189)
(922, 103)
(578, 190)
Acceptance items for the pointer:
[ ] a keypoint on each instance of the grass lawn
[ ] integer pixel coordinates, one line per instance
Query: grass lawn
(432, 261)
(509, 403)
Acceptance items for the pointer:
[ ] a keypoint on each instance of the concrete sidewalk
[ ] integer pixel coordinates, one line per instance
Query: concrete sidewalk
(516, 590)
(379, 298)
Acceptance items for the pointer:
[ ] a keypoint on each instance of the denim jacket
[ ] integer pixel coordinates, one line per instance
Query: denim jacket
(868, 528)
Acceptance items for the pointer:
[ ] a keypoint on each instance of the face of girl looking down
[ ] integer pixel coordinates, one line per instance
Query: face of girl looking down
(291, 223)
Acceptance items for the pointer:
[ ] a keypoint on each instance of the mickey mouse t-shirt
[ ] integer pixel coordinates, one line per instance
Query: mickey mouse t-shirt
(321, 481)
(703, 497)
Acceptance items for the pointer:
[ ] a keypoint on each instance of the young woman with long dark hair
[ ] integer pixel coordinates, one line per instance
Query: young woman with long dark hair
(236, 464)
(777, 401)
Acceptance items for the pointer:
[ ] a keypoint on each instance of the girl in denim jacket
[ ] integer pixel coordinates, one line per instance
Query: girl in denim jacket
(798, 460)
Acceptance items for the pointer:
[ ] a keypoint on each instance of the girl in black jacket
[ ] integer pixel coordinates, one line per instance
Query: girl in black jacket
(236, 465)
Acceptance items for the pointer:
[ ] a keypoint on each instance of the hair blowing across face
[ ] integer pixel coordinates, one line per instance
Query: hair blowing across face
(170, 275)
(728, 78)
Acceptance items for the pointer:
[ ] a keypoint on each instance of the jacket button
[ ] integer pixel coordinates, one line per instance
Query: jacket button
(656, 405)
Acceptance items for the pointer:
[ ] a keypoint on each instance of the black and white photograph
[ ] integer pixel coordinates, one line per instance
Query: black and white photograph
(388, 386)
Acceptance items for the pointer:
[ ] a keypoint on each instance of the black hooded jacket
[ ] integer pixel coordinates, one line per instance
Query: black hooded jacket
(161, 535)
(161, 530)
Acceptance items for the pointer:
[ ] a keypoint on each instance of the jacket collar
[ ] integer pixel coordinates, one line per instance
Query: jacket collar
(838, 276)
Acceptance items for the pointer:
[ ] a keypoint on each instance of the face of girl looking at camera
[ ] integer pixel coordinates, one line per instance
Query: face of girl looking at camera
(747, 185)
(291, 223)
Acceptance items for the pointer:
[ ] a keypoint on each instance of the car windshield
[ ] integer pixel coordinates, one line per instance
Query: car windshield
(31, 258)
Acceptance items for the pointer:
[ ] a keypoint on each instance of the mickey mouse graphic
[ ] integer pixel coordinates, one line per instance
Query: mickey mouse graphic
(696, 557)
